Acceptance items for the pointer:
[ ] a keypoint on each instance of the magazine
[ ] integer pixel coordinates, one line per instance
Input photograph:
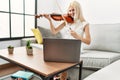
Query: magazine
(22, 74)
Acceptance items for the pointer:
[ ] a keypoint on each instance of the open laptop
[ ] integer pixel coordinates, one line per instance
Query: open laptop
(61, 50)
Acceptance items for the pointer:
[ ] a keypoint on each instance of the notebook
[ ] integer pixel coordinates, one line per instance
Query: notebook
(22, 74)
(61, 50)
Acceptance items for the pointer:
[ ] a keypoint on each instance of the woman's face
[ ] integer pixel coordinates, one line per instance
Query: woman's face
(71, 11)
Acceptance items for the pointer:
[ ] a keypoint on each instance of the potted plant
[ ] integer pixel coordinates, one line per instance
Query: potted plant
(28, 43)
(29, 48)
(10, 49)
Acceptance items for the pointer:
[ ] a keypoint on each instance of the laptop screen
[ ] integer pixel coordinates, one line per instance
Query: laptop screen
(61, 50)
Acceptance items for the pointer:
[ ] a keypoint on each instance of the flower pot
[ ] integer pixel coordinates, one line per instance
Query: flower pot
(29, 51)
(10, 50)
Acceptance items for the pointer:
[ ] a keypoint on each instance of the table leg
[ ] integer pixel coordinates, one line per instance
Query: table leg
(47, 78)
(80, 70)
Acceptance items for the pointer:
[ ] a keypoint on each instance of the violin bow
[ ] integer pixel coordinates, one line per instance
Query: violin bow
(61, 11)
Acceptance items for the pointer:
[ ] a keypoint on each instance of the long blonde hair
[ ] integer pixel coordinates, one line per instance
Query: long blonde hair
(78, 11)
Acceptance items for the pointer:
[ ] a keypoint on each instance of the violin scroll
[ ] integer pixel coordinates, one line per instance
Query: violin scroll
(38, 16)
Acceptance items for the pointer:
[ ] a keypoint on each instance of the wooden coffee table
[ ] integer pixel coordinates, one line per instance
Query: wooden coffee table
(36, 63)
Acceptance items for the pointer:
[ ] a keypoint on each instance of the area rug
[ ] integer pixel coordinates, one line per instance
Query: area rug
(8, 77)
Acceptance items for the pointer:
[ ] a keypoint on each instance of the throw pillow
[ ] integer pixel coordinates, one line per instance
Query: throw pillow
(104, 37)
(37, 35)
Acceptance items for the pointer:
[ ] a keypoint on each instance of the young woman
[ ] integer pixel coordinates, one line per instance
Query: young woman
(74, 30)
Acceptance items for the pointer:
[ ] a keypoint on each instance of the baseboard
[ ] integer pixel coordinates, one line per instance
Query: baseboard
(6, 65)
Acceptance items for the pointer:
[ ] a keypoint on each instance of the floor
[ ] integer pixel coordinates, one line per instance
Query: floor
(8, 69)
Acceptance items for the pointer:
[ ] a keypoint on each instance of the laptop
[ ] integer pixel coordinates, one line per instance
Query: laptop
(61, 50)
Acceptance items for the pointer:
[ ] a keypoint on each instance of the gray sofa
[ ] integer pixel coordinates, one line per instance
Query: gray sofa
(103, 50)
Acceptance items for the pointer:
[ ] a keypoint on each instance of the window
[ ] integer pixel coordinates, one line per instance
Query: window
(17, 6)
(17, 18)
(4, 5)
(17, 25)
(4, 25)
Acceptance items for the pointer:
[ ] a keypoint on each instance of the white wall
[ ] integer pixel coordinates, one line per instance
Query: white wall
(94, 11)
(44, 7)
(98, 11)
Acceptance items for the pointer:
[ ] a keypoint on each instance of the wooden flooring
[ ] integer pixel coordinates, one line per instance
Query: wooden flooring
(8, 68)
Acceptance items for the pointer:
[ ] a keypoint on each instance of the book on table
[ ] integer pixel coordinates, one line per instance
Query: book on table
(22, 74)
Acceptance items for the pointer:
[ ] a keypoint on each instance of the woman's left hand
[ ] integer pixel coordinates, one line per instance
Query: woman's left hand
(74, 34)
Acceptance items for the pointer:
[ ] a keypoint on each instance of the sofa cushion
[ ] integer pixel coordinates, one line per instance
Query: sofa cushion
(98, 59)
(39, 46)
(46, 33)
(104, 37)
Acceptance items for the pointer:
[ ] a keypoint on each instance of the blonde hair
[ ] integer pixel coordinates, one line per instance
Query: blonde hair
(78, 11)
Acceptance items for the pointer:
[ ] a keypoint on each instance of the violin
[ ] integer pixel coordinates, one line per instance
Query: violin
(59, 17)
